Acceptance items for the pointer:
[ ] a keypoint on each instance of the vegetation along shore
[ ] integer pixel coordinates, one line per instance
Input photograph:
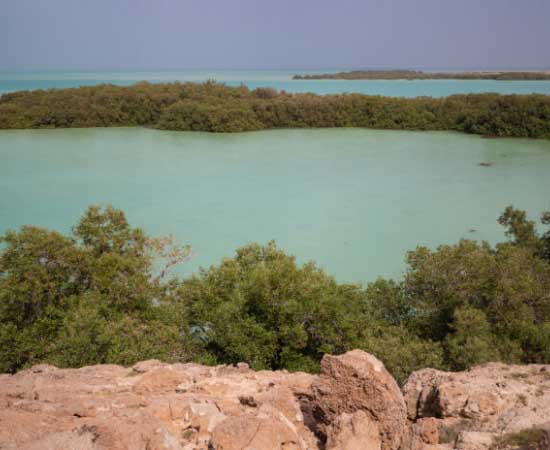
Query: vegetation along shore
(218, 108)
(103, 294)
(419, 75)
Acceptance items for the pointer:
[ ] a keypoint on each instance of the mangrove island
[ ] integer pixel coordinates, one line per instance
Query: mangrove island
(215, 107)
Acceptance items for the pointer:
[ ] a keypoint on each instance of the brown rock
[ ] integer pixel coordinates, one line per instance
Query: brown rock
(357, 381)
(419, 393)
(474, 440)
(426, 431)
(146, 366)
(145, 407)
(266, 433)
(162, 379)
(471, 408)
(81, 439)
(353, 405)
(355, 431)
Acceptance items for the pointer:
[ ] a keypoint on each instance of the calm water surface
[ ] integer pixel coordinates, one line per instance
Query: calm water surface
(354, 200)
(278, 79)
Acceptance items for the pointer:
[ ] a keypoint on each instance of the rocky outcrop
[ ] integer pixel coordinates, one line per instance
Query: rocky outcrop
(153, 406)
(356, 389)
(490, 406)
(354, 404)
(157, 406)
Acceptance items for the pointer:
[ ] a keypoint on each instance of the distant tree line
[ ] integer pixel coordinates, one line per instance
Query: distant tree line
(215, 107)
(419, 75)
(102, 294)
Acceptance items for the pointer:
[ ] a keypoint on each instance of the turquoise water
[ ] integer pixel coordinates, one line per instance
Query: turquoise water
(354, 200)
(279, 79)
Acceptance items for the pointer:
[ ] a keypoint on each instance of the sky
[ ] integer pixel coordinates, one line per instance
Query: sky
(273, 34)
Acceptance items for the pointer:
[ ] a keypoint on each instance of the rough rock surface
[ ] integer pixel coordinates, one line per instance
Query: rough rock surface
(157, 406)
(472, 410)
(354, 404)
(358, 382)
(153, 406)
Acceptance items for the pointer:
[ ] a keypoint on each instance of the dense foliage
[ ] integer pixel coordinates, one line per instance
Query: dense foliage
(86, 298)
(419, 75)
(103, 295)
(215, 107)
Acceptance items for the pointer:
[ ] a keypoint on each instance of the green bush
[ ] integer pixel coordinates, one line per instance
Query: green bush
(263, 308)
(470, 341)
(92, 297)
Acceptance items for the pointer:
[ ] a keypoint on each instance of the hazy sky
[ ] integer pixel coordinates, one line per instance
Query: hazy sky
(163, 34)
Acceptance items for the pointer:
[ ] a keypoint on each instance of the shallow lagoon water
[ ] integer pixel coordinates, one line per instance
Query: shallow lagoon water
(278, 79)
(354, 200)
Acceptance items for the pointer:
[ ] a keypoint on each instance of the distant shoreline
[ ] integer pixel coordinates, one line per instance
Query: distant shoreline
(419, 75)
